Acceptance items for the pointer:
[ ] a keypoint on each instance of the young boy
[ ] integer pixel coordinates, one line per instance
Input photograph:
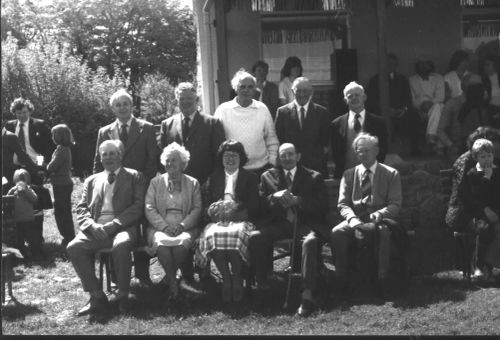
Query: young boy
(480, 192)
(24, 200)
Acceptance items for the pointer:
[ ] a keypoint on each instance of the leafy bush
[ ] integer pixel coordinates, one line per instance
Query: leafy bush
(157, 98)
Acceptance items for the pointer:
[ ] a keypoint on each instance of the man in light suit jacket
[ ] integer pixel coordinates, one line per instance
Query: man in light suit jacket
(111, 207)
(346, 127)
(369, 200)
(305, 124)
(201, 137)
(288, 187)
(141, 154)
(265, 90)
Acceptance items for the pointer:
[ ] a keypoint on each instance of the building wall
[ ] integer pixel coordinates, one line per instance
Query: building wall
(429, 30)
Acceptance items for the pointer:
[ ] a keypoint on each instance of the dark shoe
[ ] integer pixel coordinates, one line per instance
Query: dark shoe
(93, 305)
(306, 308)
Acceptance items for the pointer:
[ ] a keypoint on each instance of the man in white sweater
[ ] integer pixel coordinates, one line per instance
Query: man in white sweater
(249, 121)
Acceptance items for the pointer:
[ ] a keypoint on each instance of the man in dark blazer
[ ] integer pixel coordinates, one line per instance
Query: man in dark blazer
(11, 146)
(111, 207)
(201, 135)
(291, 191)
(345, 128)
(201, 138)
(306, 125)
(35, 137)
(370, 198)
(141, 154)
(265, 91)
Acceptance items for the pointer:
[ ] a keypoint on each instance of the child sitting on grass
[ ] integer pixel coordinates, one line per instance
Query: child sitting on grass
(24, 200)
(480, 192)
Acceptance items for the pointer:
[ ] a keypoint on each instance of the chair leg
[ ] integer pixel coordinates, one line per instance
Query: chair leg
(101, 266)
(107, 265)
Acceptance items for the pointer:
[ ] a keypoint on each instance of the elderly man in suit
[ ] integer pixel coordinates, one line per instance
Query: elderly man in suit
(305, 124)
(290, 191)
(265, 90)
(346, 127)
(141, 154)
(111, 207)
(201, 135)
(369, 200)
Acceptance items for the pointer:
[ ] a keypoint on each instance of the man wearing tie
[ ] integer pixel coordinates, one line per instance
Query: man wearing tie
(306, 125)
(141, 154)
(369, 200)
(290, 191)
(201, 135)
(345, 128)
(111, 207)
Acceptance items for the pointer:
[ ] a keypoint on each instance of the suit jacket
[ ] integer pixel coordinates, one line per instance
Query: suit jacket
(205, 136)
(311, 140)
(246, 191)
(39, 134)
(156, 203)
(308, 185)
(386, 193)
(11, 146)
(128, 199)
(373, 125)
(270, 97)
(399, 93)
(141, 151)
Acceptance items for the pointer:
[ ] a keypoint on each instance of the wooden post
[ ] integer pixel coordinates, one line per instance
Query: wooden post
(383, 80)
(222, 61)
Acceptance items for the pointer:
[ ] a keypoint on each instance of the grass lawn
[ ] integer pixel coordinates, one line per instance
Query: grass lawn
(48, 295)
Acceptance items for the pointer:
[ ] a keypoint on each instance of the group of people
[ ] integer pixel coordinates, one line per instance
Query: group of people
(231, 185)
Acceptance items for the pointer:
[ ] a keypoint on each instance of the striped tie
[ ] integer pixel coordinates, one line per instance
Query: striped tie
(366, 187)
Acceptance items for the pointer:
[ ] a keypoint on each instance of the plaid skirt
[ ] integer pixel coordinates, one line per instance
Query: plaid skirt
(230, 236)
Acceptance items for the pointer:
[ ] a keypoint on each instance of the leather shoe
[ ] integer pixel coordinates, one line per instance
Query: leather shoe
(306, 308)
(93, 305)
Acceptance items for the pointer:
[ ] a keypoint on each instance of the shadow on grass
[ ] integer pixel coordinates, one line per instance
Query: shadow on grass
(14, 310)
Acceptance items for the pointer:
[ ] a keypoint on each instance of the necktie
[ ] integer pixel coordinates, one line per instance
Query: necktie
(124, 134)
(111, 177)
(185, 129)
(20, 135)
(301, 118)
(366, 187)
(288, 178)
(357, 124)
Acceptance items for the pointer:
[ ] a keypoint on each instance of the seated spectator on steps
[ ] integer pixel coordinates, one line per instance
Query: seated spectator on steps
(480, 192)
(457, 70)
(173, 210)
(111, 207)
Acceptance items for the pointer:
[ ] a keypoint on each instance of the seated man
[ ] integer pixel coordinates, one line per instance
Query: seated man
(287, 190)
(369, 195)
(111, 207)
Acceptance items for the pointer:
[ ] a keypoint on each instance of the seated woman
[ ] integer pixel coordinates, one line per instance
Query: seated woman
(479, 192)
(173, 209)
(233, 197)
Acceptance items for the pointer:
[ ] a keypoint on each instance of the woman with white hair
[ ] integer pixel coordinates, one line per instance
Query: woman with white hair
(173, 207)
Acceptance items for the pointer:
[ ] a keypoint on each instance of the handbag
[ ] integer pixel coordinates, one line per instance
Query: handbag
(44, 199)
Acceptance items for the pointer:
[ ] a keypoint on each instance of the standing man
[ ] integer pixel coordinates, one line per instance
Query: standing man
(265, 91)
(249, 122)
(109, 212)
(141, 154)
(404, 119)
(305, 124)
(347, 127)
(201, 135)
(370, 197)
(291, 191)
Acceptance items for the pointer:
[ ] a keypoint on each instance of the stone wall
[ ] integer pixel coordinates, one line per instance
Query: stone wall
(423, 210)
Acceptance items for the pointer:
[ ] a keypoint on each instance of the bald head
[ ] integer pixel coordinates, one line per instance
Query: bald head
(288, 156)
(303, 90)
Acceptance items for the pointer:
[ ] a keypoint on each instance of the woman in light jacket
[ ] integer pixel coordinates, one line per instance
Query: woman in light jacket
(173, 209)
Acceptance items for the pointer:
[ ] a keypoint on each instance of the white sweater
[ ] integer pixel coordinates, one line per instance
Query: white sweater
(253, 127)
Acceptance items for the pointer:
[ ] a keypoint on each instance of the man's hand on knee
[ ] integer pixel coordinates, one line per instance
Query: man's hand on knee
(98, 231)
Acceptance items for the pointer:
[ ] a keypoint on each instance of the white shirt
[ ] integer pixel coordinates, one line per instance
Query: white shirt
(253, 127)
(454, 83)
(306, 107)
(285, 90)
(107, 199)
(29, 149)
(230, 184)
(352, 117)
(362, 169)
(431, 89)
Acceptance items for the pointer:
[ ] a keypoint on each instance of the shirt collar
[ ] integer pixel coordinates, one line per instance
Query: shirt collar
(128, 122)
(372, 168)
(305, 106)
(234, 174)
(292, 172)
(362, 114)
(116, 172)
(25, 124)
(191, 116)
(235, 104)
